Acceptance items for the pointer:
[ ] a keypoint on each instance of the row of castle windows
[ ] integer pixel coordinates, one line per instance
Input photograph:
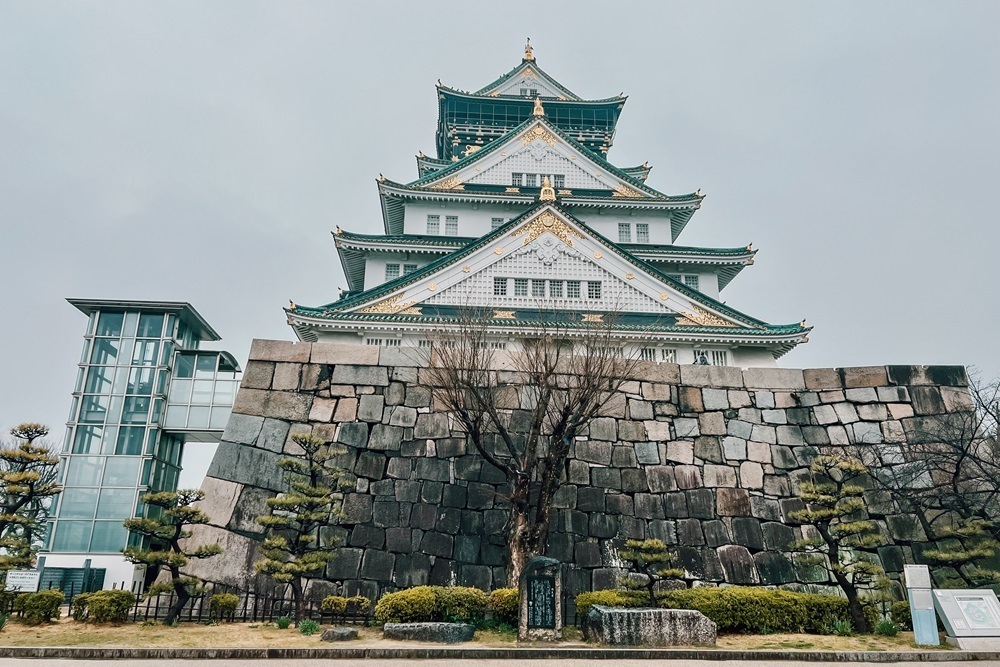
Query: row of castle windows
(450, 225)
(392, 270)
(535, 180)
(555, 288)
(686, 279)
(625, 232)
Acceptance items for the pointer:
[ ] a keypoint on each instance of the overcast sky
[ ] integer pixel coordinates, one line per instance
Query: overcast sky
(203, 151)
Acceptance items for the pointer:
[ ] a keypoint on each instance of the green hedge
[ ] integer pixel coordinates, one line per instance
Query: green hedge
(432, 603)
(505, 603)
(738, 609)
(102, 606)
(340, 605)
(40, 607)
(223, 605)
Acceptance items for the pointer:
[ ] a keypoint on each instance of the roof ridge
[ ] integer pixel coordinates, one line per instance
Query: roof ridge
(524, 64)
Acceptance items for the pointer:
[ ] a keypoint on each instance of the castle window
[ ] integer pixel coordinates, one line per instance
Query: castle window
(668, 355)
(641, 232)
(409, 268)
(538, 288)
(573, 289)
(594, 289)
(556, 289)
(558, 180)
(648, 354)
(451, 225)
(719, 358)
(496, 223)
(520, 287)
(624, 232)
(499, 287)
(691, 281)
(434, 225)
(425, 343)
(516, 179)
(391, 271)
(530, 180)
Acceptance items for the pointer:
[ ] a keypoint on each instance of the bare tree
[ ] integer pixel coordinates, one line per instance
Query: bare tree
(947, 476)
(560, 380)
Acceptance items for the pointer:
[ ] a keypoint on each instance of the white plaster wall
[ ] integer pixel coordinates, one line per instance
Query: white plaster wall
(606, 223)
(751, 357)
(117, 569)
(473, 222)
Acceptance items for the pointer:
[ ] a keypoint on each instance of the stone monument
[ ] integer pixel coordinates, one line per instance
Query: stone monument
(918, 592)
(540, 586)
(648, 627)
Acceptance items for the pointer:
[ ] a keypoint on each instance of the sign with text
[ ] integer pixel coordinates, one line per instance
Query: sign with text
(541, 601)
(25, 581)
(969, 613)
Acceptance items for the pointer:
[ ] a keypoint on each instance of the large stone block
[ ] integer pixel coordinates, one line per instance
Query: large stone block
(864, 376)
(732, 502)
(738, 565)
(377, 376)
(603, 428)
(286, 377)
(773, 378)
(243, 429)
(648, 627)
(279, 350)
(384, 438)
(339, 353)
(822, 378)
(258, 375)
(712, 376)
(246, 465)
(774, 568)
(953, 376)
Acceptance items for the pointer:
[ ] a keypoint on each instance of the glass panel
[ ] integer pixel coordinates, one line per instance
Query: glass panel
(88, 440)
(109, 440)
(161, 382)
(184, 366)
(154, 418)
(130, 440)
(198, 418)
(77, 503)
(108, 536)
(176, 416)
(130, 320)
(84, 355)
(125, 352)
(219, 417)
(116, 504)
(171, 324)
(136, 410)
(224, 392)
(140, 381)
(168, 349)
(74, 404)
(145, 478)
(121, 471)
(105, 351)
(94, 409)
(72, 536)
(84, 470)
(180, 391)
(150, 325)
(115, 411)
(206, 366)
(121, 380)
(80, 374)
(145, 352)
(202, 391)
(151, 441)
(110, 324)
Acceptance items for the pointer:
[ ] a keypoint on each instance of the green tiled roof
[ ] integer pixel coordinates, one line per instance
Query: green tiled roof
(524, 65)
(336, 309)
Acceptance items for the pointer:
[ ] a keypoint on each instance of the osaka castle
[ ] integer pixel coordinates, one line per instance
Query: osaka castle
(521, 218)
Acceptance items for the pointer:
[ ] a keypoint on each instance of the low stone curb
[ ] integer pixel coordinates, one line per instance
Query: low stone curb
(436, 653)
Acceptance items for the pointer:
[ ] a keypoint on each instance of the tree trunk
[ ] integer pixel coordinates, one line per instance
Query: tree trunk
(853, 603)
(181, 591)
(299, 600)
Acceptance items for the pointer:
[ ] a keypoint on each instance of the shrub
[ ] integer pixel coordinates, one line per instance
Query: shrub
(900, 613)
(337, 604)
(78, 607)
(283, 622)
(223, 605)
(505, 603)
(887, 628)
(41, 607)
(432, 603)
(841, 628)
(108, 606)
(308, 627)
(738, 609)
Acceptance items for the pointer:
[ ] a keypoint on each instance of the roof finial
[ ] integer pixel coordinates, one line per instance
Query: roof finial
(539, 110)
(528, 55)
(548, 193)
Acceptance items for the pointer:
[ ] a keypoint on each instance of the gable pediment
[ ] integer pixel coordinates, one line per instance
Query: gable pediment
(528, 81)
(534, 152)
(547, 260)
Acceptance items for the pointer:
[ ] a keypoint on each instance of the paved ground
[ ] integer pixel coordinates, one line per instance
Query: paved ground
(14, 662)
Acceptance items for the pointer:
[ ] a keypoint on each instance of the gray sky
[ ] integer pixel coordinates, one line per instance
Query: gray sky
(203, 152)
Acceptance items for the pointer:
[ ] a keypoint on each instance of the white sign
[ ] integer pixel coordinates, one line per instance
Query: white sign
(969, 613)
(917, 576)
(25, 581)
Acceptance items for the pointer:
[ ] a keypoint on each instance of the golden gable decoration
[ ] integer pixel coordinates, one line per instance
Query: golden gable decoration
(453, 183)
(702, 318)
(390, 306)
(547, 222)
(539, 132)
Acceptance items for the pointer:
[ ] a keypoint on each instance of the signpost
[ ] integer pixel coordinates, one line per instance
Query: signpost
(918, 591)
(971, 617)
(23, 581)
(540, 586)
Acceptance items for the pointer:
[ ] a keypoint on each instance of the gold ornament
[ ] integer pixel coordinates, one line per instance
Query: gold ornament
(539, 132)
(593, 317)
(393, 304)
(547, 222)
(503, 315)
(547, 193)
(625, 191)
(703, 318)
(539, 110)
(597, 254)
(453, 183)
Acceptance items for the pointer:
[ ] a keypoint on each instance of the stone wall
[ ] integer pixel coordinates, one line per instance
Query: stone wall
(705, 458)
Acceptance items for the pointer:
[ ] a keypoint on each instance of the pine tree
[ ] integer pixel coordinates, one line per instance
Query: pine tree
(28, 482)
(653, 561)
(164, 534)
(845, 539)
(965, 546)
(293, 551)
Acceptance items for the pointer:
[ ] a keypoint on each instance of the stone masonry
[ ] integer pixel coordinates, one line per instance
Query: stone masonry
(705, 458)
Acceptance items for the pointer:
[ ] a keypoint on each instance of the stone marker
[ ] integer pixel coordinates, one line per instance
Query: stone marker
(339, 634)
(441, 633)
(540, 585)
(648, 627)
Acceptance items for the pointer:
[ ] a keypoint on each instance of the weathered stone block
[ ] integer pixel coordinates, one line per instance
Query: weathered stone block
(734, 449)
(400, 415)
(712, 376)
(376, 376)
(732, 502)
(675, 505)
(774, 416)
(243, 429)
(286, 377)
(647, 453)
(864, 376)
(353, 434)
(868, 433)
(279, 350)
(339, 634)
(681, 451)
(594, 451)
(603, 428)
(590, 499)
(774, 568)
(631, 431)
(701, 503)
(438, 633)
(648, 506)
(606, 478)
(246, 465)
(715, 399)
(711, 423)
(927, 400)
(719, 476)
(648, 627)
(761, 433)
(822, 378)
(657, 431)
(384, 437)
(765, 508)
(258, 375)
(738, 565)
(707, 448)
(759, 452)
(686, 428)
(690, 399)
